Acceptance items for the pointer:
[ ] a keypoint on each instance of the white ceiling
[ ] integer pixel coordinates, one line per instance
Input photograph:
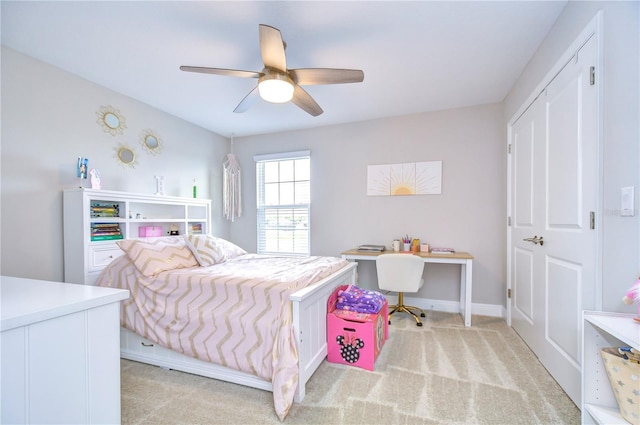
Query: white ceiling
(417, 56)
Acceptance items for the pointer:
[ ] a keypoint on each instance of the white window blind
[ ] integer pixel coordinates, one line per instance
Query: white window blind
(283, 191)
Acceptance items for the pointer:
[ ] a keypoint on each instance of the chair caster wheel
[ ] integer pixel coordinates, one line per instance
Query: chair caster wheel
(389, 321)
(422, 315)
(419, 324)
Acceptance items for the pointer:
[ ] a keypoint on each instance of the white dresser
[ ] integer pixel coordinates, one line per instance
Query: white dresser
(60, 347)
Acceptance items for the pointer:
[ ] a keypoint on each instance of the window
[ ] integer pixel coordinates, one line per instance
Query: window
(283, 190)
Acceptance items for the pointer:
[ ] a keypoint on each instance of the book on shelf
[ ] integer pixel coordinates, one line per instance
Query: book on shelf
(112, 228)
(105, 225)
(105, 231)
(195, 228)
(105, 208)
(104, 204)
(106, 237)
(99, 209)
(443, 251)
(371, 248)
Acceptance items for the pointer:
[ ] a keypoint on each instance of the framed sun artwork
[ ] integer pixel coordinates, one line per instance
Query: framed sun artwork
(414, 178)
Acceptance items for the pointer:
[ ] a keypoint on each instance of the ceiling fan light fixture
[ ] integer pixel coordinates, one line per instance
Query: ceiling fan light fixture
(277, 83)
(275, 88)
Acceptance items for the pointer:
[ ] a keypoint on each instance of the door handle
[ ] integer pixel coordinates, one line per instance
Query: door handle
(536, 240)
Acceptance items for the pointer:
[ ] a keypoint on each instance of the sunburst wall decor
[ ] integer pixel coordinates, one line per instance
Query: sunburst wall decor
(125, 155)
(414, 178)
(150, 141)
(111, 120)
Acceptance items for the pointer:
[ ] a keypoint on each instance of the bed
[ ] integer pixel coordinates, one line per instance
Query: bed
(202, 305)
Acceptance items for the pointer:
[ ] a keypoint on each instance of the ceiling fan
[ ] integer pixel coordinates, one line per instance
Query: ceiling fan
(278, 84)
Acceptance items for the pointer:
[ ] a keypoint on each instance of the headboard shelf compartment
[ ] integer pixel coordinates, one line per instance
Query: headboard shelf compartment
(94, 220)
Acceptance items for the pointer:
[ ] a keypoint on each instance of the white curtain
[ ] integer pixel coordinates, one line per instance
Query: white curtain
(231, 189)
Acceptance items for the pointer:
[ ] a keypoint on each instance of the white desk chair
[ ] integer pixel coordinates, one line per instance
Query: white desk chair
(401, 273)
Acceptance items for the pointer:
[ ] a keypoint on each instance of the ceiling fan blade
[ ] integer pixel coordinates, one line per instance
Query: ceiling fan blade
(272, 48)
(304, 101)
(314, 76)
(248, 101)
(222, 71)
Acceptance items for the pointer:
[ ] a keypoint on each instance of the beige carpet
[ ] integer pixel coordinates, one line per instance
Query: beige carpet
(442, 373)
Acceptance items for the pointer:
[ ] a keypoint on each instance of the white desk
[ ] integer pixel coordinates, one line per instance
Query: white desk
(466, 271)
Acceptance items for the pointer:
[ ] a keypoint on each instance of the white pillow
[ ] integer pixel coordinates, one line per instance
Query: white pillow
(205, 249)
(210, 250)
(154, 255)
(229, 249)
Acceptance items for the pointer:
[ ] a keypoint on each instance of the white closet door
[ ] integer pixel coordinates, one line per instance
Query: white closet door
(554, 164)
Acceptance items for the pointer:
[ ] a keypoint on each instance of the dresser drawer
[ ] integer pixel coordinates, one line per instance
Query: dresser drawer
(101, 256)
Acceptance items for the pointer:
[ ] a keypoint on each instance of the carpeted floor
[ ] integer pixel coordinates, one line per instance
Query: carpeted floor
(442, 373)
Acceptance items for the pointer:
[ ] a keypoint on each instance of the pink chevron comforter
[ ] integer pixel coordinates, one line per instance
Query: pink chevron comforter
(236, 314)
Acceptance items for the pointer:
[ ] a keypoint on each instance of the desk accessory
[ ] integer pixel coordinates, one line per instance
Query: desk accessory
(396, 245)
(371, 248)
(406, 243)
(443, 251)
(415, 245)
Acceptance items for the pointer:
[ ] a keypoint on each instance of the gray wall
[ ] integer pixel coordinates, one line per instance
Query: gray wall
(48, 120)
(621, 138)
(469, 215)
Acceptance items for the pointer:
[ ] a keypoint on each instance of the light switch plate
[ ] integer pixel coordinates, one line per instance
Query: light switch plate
(626, 202)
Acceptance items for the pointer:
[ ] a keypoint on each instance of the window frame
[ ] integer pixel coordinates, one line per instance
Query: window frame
(291, 210)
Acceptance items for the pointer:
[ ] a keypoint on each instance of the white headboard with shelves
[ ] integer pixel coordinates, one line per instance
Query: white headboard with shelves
(95, 219)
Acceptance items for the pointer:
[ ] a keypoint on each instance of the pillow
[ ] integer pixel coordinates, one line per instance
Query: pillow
(210, 250)
(229, 249)
(205, 249)
(154, 255)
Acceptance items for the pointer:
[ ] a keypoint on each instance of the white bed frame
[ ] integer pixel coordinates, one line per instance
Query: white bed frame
(309, 323)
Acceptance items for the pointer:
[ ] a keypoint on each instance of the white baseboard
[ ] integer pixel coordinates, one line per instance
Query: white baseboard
(450, 306)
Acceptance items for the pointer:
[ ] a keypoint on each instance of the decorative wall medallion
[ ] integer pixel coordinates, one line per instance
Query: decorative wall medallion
(150, 141)
(125, 155)
(111, 120)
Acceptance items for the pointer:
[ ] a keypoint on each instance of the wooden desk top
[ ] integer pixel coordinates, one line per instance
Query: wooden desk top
(456, 255)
